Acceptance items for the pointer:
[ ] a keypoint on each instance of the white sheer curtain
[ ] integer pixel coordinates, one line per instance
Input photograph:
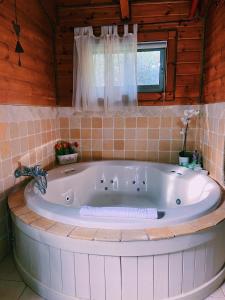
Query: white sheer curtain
(104, 69)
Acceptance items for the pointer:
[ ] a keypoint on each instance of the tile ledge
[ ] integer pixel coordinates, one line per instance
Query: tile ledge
(16, 203)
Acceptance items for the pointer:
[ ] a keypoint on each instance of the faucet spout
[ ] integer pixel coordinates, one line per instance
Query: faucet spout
(39, 175)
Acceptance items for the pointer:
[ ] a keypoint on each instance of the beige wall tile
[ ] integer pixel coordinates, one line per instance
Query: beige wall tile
(129, 144)
(107, 122)
(64, 123)
(75, 134)
(85, 122)
(96, 122)
(107, 154)
(14, 130)
(108, 145)
(119, 154)
(141, 133)
(108, 133)
(142, 122)
(153, 134)
(96, 133)
(130, 134)
(166, 122)
(119, 122)
(164, 156)
(130, 154)
(96, 155)
(4, 131)
(86, 144)
(75, 122)
(153, 122)
(118, 144)
(164, 145)
(141, 145)
(130, 122)
(118, 133)
(97, 145)
(86, 134)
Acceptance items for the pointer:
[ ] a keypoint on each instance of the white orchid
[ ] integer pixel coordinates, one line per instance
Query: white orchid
(188, 114)
(182, 131)
(186, 119)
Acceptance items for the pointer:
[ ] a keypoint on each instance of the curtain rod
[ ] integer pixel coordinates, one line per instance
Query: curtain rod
(139, 24)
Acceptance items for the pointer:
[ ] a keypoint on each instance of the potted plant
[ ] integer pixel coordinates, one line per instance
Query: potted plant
(185, 156)
(66, 152)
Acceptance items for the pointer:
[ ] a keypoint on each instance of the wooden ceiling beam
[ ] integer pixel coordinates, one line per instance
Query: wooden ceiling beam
(125, 9)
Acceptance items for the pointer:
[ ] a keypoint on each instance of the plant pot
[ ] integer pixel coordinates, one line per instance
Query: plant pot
(183, 161)
(185, 158)
(67, 159)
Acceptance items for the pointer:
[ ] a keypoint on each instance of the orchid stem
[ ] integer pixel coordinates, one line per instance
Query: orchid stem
(185, 138)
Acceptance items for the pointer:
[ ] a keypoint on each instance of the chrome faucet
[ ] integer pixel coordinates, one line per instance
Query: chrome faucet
(39, 175)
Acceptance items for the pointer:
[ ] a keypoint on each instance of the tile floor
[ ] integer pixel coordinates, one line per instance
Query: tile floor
(12, 286)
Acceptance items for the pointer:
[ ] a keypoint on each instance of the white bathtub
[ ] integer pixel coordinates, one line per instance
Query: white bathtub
(178, 193)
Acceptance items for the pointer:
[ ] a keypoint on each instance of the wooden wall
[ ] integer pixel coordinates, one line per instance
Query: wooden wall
(151, 16)
(34, 82)
(214, 71)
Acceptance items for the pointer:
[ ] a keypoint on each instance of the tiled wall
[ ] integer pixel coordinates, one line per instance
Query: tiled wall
(212, 139)
(148, 133)
(27, 134)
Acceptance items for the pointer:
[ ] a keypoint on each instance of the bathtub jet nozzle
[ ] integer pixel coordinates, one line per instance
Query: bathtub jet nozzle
(39, 175)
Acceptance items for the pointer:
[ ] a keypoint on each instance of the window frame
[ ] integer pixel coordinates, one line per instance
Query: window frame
(168, 96)
(154, 46)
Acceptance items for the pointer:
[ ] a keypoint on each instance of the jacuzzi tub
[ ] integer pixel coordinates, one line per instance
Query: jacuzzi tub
(61, 257)
(178, 194)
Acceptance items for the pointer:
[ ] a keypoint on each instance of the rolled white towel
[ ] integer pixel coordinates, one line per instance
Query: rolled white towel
(119, 212)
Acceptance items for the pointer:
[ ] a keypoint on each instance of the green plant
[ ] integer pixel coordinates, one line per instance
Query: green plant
(64, 148)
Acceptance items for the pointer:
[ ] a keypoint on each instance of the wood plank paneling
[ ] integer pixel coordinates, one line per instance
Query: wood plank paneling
(55, 269)
(129, 278)
(82, 275)
(175, 274)
(112, 277)
(68, 272)
(200, 256)
(145, 283)
(161, 275)
(97, 277)
(214, 67)
(34, 82)
(155, 18)
(188, 270)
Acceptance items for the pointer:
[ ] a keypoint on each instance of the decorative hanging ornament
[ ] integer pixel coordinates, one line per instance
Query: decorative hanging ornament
(16, 27)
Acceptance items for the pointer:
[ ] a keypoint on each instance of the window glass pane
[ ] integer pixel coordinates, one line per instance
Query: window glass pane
(148, 67)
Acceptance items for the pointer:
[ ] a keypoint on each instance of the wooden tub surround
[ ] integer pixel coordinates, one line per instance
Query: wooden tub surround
(61, 261)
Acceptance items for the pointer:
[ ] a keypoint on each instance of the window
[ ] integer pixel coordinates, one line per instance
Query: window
(151, 58)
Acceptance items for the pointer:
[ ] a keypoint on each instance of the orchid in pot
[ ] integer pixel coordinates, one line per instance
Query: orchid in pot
(184, 155)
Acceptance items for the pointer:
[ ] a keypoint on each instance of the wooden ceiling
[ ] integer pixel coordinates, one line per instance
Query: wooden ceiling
(104, 12)
(104, 2)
